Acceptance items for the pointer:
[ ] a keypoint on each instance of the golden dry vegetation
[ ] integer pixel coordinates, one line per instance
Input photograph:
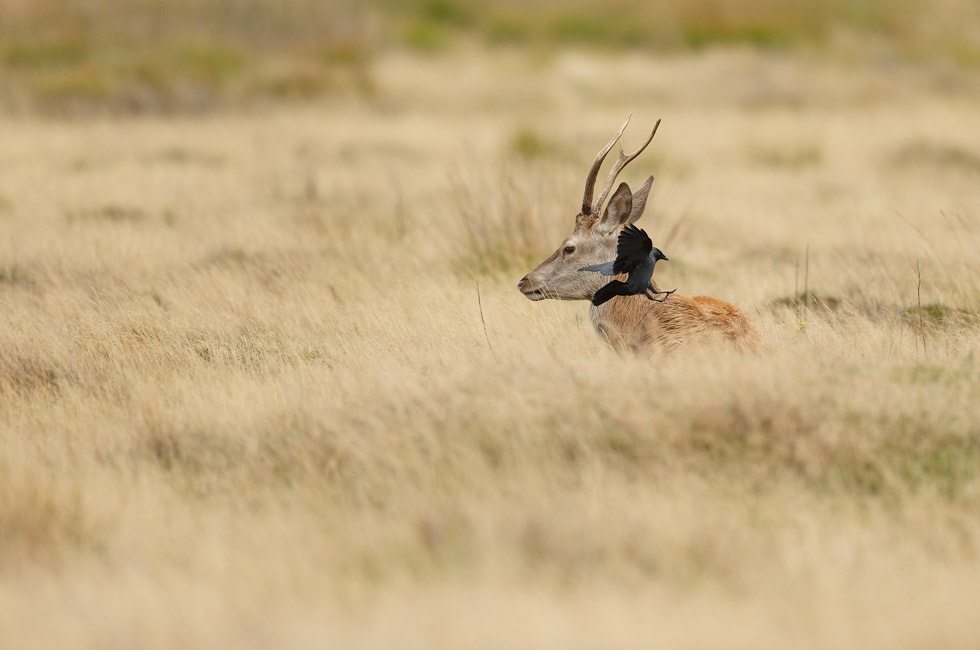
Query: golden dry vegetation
(266, 378)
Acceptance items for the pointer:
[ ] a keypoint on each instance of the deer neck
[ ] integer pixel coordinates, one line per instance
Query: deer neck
(617, 319)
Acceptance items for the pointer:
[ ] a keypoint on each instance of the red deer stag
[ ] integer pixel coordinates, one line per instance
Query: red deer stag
(628, 322)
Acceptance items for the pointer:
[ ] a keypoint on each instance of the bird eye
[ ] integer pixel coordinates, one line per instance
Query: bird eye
(569, 250)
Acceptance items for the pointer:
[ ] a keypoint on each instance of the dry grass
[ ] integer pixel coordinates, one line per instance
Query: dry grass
(246, 398)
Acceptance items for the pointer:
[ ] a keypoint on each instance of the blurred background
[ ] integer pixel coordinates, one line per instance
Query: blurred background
(155, 56)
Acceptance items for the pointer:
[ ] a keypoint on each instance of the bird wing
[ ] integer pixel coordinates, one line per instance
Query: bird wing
(605, 269)
(632, 249)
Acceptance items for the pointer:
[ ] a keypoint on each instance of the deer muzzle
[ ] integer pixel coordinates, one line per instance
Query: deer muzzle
(524, 286)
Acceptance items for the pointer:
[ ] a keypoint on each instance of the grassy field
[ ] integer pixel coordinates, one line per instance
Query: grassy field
(266, 378)
(69, 58)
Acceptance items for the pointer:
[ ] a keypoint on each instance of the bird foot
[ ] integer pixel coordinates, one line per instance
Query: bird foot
(653, 297)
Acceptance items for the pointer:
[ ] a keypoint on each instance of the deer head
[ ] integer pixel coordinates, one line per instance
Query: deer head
(593, 239)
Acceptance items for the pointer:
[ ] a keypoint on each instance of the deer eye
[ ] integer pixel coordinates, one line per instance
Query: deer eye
(569, 250)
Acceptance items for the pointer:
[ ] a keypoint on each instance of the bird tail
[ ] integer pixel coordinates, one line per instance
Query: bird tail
(608, 292)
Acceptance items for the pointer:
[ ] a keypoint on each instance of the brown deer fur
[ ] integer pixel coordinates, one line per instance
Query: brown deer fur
(636, 323)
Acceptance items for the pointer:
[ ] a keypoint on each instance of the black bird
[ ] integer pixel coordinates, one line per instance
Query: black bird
(635, 256)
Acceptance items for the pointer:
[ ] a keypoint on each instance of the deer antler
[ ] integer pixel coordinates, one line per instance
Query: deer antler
(587, 207)
(621, 162)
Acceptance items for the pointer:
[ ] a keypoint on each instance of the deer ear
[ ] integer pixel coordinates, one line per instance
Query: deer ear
(640, 201)
(618, 210)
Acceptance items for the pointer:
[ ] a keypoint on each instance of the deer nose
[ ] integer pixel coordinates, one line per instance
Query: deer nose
(522, 282)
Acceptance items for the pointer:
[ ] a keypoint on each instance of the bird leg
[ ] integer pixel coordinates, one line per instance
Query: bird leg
(651, 290)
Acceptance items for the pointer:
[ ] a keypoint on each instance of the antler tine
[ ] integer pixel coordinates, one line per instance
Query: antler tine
(621, 162)
(594, 171)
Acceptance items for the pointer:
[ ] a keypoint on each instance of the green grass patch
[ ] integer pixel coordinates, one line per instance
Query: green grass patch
(207, 63)
(930, 373)
(947, 465)
(44, 53)
(604, 29)
(809, 298)
(73, 87)
(761, 36)
(112, 212)
(529, 144)
(14, 276)
(938, 314)
(507, 29)
(938, 155)
(426, 36)
(447, 12)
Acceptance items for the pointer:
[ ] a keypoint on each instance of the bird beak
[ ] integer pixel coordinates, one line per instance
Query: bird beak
(664, 258)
